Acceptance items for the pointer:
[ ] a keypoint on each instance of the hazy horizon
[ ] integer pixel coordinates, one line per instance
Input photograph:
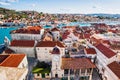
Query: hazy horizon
(64, 6)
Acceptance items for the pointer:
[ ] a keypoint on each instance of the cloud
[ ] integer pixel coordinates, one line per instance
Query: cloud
(7, 2)
(94, 7)
(33, 5)
(65, 10)
(12, 0)
(4, 3)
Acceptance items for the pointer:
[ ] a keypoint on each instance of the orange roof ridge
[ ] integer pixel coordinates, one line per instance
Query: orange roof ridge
(106, 51)
(115, 68)
(76, 63)
(13, 60)
(49, 44)
(24, 43)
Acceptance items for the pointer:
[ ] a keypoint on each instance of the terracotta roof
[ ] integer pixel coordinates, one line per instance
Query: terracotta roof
(49, 44)
(72, 27)
(90, 51)
(3, 57)
(115, 68)
(65, 34)
(87, 35)
(12, 60)
(55, 29)
(85, 28)
(76, 63)
(28, 30)
(9, 51)
(22, 43)
(106, 51)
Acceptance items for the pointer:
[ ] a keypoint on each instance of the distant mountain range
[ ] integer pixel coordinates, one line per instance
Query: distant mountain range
(105, 15)
(9, 11)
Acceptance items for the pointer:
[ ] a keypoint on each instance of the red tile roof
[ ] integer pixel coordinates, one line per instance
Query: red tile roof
(55, 29)
(49, 44)
(115, 68)
(87, 35)
(9, 51)
(28, 30)
(106, 51)
(90, 51)
(72, 27)
(101, 25)
(65, 34)
(3, 57)
(12, 60)
(76, 63)
(22, 43)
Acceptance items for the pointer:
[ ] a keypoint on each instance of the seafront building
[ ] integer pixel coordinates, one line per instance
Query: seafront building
(28, 33)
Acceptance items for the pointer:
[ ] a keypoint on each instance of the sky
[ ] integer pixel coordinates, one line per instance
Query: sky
(64, 6)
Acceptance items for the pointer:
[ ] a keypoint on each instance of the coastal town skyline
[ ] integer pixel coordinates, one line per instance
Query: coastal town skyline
(59, 40)
(66, 6)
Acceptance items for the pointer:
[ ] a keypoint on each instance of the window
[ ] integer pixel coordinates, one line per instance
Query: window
(66, 71)
(38, 74)
(23, 65)
(82, 71)
(103, 69)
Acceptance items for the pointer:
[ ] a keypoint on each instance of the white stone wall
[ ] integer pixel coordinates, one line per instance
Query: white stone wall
(23, 77)
(43, 53)
(56, 66)
(56, 35)
(3, 75)
(19, 36)
(68, 42)
(29, 51)
(24, 63)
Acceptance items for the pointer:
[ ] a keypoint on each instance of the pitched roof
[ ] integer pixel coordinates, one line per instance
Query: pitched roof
(65, 34)
(115, 68)
(90, 51)
(87, 35)
(28, 30)
(12, 60)
(49, 44)
(106, 51)
(9, 51)
(22, 43)
(55, 29)
(76, 63)
(72, 27)
(3, 57)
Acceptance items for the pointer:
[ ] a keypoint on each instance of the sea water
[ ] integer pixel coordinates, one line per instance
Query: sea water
(5, 31)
